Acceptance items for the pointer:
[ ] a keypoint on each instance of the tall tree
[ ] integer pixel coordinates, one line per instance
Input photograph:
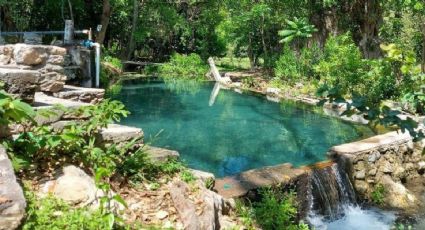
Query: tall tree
(135, 19)
(104, 21)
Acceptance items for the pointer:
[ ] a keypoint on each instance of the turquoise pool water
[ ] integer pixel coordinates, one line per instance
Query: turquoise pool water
(234, 132)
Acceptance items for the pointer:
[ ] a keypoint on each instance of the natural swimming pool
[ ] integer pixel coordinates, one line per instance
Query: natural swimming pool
(232, 132)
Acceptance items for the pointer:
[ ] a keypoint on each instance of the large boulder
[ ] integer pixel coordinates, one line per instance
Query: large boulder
(12, 200)
(397, 196)
(72, 185)
(29, 55)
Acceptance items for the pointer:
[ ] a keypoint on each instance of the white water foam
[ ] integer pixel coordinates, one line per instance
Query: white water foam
(355, 218)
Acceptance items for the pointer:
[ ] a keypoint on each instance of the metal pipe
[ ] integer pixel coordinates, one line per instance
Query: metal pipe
(68, 37)
(97, 60)
(41, 32)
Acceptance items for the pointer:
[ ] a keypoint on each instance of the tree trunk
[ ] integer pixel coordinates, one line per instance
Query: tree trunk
(423, 47)
(251, 53)
(131, 44)
(104, 21)
(367, 16)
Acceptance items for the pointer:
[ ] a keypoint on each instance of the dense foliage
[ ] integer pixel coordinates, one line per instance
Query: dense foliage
(275, 210)
(184, 66)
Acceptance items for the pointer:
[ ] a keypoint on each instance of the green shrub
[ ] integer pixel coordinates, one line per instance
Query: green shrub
(115, 62)
(52, 213)
(13, 110)
(187, 176)
(378, 194)
(293, 68)
(287, 66)
(342, 65)
(276, 210)
(184, 66)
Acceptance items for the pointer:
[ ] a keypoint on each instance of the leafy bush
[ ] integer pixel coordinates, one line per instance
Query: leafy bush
(342, 64)
(115, 62)
(378, 194)
(287, 66)
(13, 110)
(293, 69)
(77, 142)
(275, 210)
(184, 66)
(52, 213)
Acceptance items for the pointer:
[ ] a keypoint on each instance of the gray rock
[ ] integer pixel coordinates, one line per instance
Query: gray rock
(6, 53)
(374, 156)
(372, 172)
(75, 186)
(185, 208)
(56, 59)
(397, 196)
(89, 95)
(361, 186)
(386, 167)
(360, 165)
(421, 165)
(119, 133)
(361, 175)
(202, 176)
(12, 200)
(20, 83)
(160, 154)
(29, 55)
(214, 208)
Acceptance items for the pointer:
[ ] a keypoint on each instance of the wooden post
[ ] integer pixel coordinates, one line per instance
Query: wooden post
(68, 37)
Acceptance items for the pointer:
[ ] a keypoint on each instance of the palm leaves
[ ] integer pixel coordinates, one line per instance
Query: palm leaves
(297, 28)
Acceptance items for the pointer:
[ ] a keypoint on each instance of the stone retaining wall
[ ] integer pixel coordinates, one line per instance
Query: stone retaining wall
(389, 160)
(48, 61)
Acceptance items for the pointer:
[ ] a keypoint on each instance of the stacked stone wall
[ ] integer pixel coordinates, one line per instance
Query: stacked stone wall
(48, 61)
(389, 161)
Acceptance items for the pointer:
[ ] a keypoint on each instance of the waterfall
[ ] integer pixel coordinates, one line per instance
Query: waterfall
(333, 203)
(331, 191)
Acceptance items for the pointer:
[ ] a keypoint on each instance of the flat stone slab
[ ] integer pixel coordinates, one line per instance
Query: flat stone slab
(157, 154)
(115, 133)
(239, 185)
(12, 200)
(88, 95)
(44, 101)
(375, 142)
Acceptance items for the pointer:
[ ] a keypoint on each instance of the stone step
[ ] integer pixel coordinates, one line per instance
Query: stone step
(87, 95)
(115, 133)
(239, 185)
(44, 101)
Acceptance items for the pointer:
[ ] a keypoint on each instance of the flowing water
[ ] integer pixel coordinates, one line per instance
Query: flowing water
(223, 132)
(333, 204)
